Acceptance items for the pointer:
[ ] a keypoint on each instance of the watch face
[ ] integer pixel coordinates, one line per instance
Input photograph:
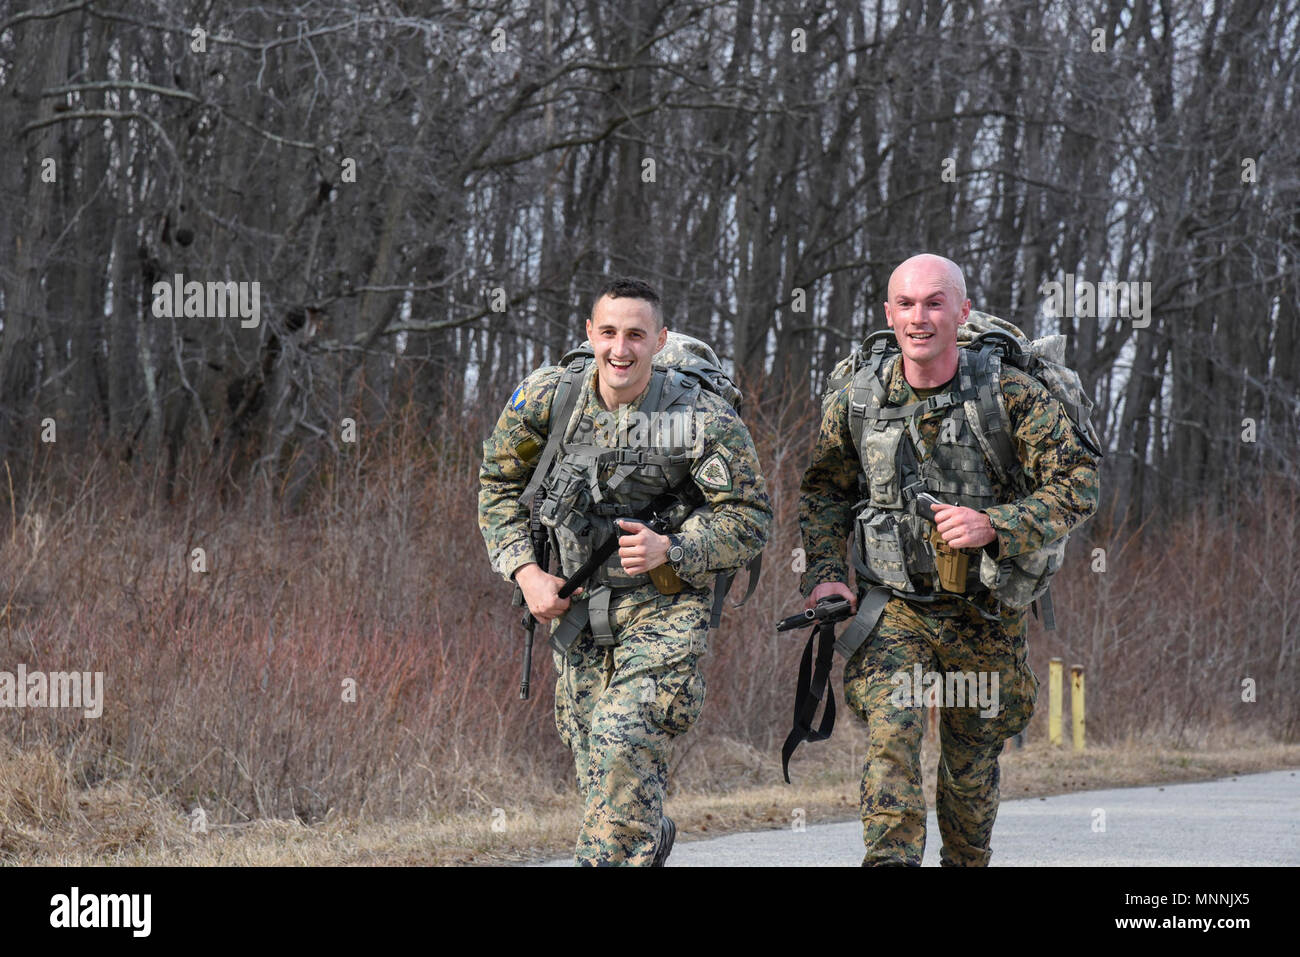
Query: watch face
(676, 553)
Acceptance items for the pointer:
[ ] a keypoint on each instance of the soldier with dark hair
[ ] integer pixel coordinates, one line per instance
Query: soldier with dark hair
(628, 644)
(908, 430)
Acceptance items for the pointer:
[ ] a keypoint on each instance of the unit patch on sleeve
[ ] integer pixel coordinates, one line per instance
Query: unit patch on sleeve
(714, 473)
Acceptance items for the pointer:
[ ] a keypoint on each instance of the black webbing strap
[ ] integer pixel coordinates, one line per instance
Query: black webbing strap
(814, 680)
(721, 585)
(755, 568)
(813, 684)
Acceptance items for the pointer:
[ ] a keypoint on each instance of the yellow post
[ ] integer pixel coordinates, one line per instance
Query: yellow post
(1055, 671)
(1076, 705)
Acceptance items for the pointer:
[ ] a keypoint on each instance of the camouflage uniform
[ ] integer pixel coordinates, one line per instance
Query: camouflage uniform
(946, 635)
(617, 708)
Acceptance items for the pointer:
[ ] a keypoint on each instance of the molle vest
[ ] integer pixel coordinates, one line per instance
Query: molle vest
(891, 541)
(603, 472)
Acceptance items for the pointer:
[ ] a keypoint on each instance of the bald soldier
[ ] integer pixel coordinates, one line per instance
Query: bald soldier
(900, 429)
(627, 650)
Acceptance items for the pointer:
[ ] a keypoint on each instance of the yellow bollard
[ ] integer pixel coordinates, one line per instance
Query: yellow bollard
(1076, 705)
(1055, 672)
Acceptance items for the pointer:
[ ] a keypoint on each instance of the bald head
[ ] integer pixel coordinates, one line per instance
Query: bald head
(927, 302)
(929, 269)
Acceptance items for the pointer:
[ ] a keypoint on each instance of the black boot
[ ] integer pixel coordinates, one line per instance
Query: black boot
(667, 834)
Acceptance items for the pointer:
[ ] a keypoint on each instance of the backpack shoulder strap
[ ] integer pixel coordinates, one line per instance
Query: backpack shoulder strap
(877, 348)
(563, 401)
(868, 382)
(992, 426)
(659, 389)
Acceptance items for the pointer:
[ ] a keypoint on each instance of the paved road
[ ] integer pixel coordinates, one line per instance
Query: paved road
(1250, 820)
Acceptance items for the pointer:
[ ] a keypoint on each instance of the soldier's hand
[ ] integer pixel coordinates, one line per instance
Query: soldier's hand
(541, 592)
(963, 527)
(641, 550)
(832, 590)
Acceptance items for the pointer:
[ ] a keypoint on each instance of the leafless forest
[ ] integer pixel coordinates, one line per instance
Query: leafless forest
(425, 195)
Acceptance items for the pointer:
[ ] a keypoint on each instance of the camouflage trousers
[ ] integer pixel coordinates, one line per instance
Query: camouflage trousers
(878, 685)
(618, 709)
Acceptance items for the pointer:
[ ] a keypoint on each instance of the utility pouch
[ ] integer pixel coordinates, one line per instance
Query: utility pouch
(562, 495)
(880, 545)
(950, 563)
(666, 580)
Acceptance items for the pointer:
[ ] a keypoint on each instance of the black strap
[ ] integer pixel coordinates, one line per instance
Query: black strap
(813, 684)
(755, 568)
(721, 585)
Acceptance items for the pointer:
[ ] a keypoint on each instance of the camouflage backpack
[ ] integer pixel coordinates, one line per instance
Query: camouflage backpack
(698, 366)
(989, 342)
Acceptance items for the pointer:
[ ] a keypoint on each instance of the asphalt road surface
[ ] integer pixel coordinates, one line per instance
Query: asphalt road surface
(1249, 820)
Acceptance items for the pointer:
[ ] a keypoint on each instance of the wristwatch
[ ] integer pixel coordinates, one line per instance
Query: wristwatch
(675, 551)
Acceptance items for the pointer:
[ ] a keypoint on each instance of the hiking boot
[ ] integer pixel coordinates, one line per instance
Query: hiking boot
(667, 834)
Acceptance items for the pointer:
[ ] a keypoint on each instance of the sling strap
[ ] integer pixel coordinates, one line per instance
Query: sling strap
(870, 610)
(571, 625)
(813, 684)
(814, 680)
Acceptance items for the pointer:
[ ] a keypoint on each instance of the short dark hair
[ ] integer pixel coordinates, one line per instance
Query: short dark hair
(625, 287)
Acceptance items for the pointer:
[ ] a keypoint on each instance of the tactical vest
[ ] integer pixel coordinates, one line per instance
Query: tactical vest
(891, 544)
(593, 483)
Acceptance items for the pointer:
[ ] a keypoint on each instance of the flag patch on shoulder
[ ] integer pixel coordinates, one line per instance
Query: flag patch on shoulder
(714, 473)
(517, 400)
